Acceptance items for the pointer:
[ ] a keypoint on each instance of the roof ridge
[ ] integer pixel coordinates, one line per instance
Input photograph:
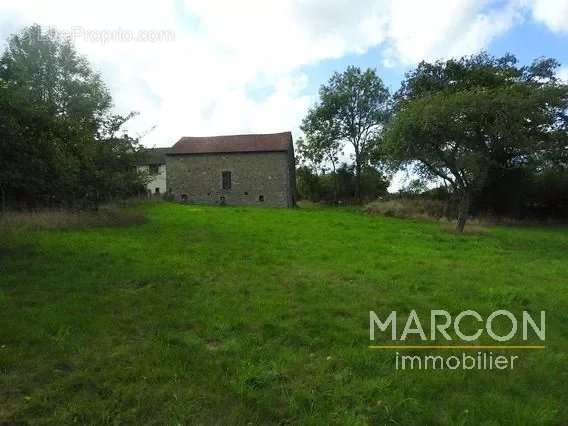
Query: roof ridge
(236, 135)
(254, 142)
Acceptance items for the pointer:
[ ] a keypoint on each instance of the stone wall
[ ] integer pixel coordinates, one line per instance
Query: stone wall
(257, 178)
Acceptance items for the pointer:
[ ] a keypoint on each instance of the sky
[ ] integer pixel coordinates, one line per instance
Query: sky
(211, 67)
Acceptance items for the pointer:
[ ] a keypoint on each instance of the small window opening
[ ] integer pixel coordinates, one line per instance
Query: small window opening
(246, 193)
(261, 198)
(226, 180)
(154, 169)
(157, 190)
(183, 197)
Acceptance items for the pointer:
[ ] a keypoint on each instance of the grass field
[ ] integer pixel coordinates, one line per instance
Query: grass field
(257, 316)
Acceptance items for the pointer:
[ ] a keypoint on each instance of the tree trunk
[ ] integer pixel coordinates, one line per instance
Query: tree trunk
(463, 211)
(2, 200)
(335, 190)
(358, 181)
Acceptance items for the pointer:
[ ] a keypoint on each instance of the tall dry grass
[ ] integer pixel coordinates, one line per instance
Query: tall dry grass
(408, 208)
(425, 209)
(14, 221)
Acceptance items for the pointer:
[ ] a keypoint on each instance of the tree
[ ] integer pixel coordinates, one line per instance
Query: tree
(455, 120)
(322, 145)
(352, 109)
(309, 185)
(55, 113)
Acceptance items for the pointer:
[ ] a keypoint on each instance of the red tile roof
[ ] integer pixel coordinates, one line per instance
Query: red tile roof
(233, 143)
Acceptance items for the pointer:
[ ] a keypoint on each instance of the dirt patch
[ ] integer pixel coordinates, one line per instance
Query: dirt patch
(213, 345)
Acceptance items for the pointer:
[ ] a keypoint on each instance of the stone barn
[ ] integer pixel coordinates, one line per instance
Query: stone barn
(238, 169)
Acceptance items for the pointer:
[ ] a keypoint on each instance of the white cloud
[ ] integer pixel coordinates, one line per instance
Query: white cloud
(443, 28)
(563, 74)
(194, 85)
(281, 35)
(235, 66)
(552, 13)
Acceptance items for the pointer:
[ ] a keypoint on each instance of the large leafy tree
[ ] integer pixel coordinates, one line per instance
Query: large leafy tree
(352, 109)
(457, 119)
(322, 146)
(55, 116)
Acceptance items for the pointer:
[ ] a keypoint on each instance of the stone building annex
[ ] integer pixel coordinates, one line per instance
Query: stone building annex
(255, 169)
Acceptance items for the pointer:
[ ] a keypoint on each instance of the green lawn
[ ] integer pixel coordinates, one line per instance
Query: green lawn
(246, 316)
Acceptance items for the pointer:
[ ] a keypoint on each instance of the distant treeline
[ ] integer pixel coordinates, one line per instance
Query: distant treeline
(340, 186)
(524, 193)
(493, 135)
(518, 193)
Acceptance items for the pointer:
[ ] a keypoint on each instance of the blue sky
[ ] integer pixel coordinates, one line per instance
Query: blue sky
(193, 67)
(531, 40)
(319, 73)
(527, 41)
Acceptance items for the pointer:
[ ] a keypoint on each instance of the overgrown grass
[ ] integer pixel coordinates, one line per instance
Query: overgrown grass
(408, 208)
(19, 221)
(424, 208)
(230, 315)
